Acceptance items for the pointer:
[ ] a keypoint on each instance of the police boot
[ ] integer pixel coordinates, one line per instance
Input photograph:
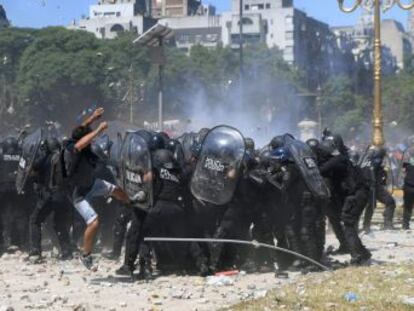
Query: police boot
(34, 258)
(388, 218)
(406, 218)
(125, 270)
(362, 258)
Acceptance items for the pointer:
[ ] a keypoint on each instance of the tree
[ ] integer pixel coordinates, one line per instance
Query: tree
(60, 74)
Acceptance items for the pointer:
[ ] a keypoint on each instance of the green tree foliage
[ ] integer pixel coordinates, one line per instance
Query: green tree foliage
(56, 73)
(59, 73)
(398, 99)
(342, 109)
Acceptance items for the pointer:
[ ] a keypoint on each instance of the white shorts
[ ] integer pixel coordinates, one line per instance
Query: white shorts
(100, 188)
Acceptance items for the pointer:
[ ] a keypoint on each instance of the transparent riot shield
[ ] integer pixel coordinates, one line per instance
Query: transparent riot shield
(306, 162)
(218, 166)
(30, 150)
(136, 170)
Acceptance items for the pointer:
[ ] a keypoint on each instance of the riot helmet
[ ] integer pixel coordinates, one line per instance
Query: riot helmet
(53, 144)
(377, 156)
(281, 154)
(164, 158)
(156, 142)
(10, 145)
(277, 142)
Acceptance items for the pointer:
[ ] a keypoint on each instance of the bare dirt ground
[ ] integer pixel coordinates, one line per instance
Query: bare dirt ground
(56, 285)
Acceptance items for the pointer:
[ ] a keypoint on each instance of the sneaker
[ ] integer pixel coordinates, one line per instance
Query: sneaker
(87, 261)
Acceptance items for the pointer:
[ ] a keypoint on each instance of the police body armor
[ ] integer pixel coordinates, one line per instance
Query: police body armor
(136, 170)
(30, 152)
(218, 167)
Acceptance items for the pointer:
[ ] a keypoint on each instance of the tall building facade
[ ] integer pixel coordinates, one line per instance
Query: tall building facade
(396, 43)
(109, 17)
(164, 8)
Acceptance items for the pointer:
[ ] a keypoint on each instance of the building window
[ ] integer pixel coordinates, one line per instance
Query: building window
(118, 14)
(117, 28)
(289, 35)
(289, 50)
(257, 7)
(247, 21)
(267, 5)
(247, 7)
(289, 20)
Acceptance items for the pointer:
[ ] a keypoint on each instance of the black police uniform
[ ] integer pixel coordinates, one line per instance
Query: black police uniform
(166, 218)
(408, 189)
(378, 193)
(355, 202)
(334, 170)
(14, 209)
(49, 201)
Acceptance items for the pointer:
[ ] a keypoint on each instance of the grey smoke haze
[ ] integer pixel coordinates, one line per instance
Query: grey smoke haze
(257, 110)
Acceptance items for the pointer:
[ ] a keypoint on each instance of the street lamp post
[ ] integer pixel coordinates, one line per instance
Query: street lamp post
(241, 38)
(377, 118)
(154, 38)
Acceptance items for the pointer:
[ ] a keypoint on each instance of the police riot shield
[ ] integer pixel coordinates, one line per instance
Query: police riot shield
(305, 161)
(101, 147)
(30, 150)
(9, 161)
(218, 166)
(136, 171)
(187, 141)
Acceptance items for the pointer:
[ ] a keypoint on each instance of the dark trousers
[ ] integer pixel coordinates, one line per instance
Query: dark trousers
(383, 196)
(2, 245)
(408, 205)
(165, 219)
(334, 214)
(120, 229)
(60, 207)
(16, 212)
(353, 208)
(234, 224)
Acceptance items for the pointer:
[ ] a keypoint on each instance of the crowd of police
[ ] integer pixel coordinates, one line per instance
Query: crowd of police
(212, 184)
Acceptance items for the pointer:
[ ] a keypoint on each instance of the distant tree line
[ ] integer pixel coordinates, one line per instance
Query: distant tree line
(54, 73)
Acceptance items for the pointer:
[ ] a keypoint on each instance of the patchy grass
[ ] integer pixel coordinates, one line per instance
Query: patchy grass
(379, 288)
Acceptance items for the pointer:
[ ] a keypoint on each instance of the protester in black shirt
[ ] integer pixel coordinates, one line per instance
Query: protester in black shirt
(80, 164)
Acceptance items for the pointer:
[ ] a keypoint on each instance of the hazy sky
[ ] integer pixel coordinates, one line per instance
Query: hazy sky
(40, 13)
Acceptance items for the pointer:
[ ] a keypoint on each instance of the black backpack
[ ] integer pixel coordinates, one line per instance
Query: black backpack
(58, 175)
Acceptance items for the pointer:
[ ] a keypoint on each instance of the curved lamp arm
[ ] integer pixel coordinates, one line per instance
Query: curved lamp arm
(405, 6)
(348, 9)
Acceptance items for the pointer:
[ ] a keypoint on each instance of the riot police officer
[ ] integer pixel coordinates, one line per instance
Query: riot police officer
(49, 200)
(374, 168)
(408, 189)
